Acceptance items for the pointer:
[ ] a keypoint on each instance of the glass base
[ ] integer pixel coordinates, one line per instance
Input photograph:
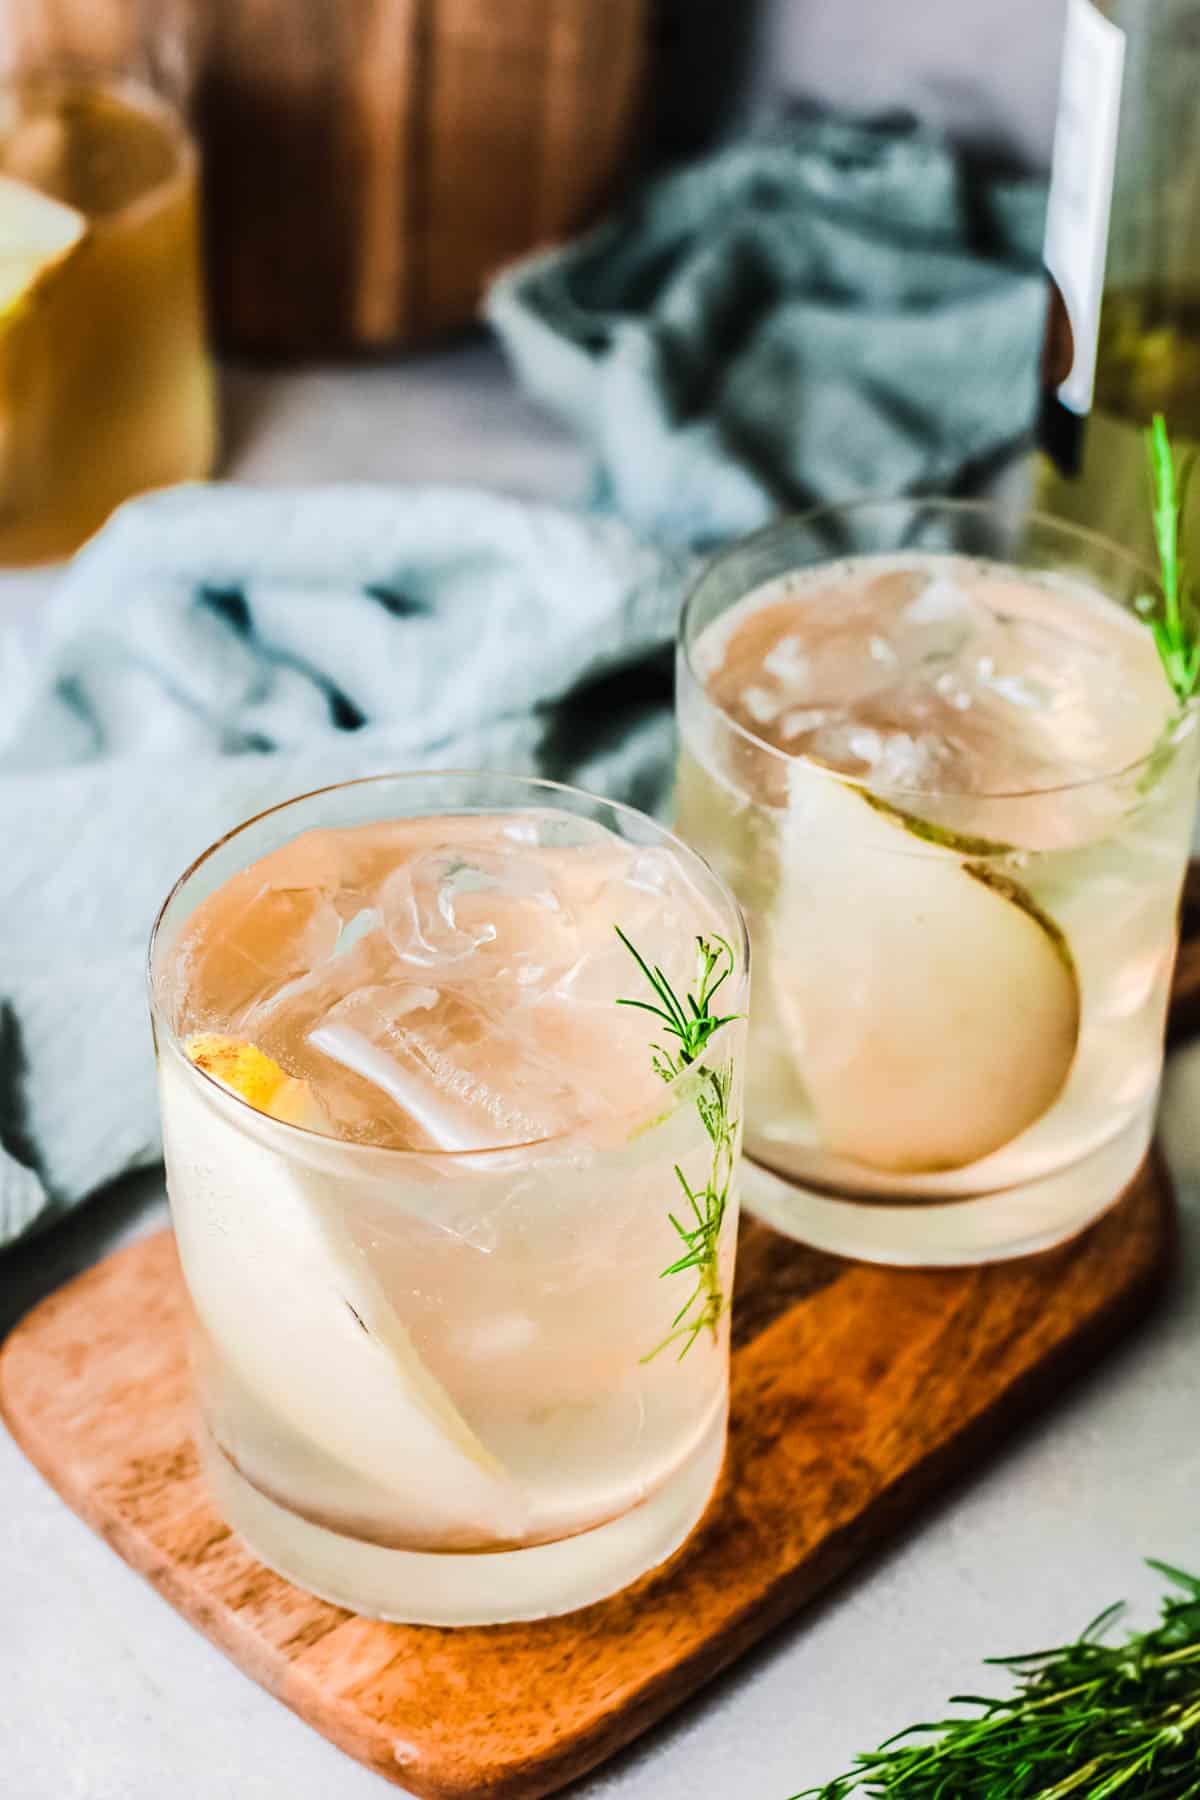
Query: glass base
(409, 1587)
(1017, 1221)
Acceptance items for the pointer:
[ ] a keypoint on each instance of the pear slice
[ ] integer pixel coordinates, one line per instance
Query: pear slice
(288, 1298)
(933, 1007)
(36, 233)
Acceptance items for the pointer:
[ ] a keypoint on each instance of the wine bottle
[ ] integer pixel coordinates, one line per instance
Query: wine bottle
(1123, 256)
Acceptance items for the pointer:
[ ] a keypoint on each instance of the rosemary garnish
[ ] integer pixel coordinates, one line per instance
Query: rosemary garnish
(1088, 1720)
(1174, 624)
(692, 1022)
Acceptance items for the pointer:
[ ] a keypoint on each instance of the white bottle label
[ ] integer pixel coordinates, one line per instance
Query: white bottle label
(1081, 183)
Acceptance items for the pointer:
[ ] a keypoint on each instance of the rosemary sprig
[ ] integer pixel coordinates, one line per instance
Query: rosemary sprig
(692, 1022)
(1174, 624)
(1089, 1720)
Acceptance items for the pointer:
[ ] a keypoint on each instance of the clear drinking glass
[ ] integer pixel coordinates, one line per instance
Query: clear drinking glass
(932, 751)
(427, 1183)
(105, 383)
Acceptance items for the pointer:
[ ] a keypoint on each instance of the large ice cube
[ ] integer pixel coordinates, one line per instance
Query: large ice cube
(499, 1023)
(479, 913)
(654, 903)
(250, 941)
(463, 1078)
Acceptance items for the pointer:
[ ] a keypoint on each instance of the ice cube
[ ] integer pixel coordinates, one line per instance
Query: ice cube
(461, 1079)
(787, 662)
(655, 871)
(887, 758)
(356, 955)
(652, 900)
(763, 708)
(1018, 690)
(865, 744)
(802, 720)
(555, 831)
(249, 941)
(949, 686)
(497, 913)
(938, 601)
(354, 930)
(909, 762)
(937, 626)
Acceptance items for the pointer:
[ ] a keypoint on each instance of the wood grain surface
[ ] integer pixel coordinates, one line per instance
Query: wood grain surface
(369, 163)
(858, 1394)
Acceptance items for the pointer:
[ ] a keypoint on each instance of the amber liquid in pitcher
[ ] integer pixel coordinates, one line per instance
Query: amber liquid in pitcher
(105, 383)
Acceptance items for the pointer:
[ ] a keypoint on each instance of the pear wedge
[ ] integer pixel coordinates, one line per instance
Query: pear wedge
(932, 1006)
(290, 1302)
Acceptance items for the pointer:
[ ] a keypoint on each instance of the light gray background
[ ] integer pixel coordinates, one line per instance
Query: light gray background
(106, 1695)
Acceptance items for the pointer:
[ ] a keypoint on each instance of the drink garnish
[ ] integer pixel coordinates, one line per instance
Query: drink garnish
(692, 1022)
(1089, 1719)
(256, 1078)
(1174, 624)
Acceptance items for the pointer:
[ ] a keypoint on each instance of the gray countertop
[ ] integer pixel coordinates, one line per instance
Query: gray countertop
(106, 1694)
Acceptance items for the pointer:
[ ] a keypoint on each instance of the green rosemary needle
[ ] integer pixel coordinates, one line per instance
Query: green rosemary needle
(1088, 1721)
(692, 1022)
(1174, 623)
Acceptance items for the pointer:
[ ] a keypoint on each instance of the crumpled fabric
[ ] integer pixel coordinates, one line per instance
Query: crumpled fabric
(823, 311)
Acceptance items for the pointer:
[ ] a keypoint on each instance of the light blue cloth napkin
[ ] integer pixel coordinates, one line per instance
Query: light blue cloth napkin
(218, 649)
(826, 310)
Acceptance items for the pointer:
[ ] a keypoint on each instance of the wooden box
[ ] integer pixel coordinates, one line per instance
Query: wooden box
(369, 163)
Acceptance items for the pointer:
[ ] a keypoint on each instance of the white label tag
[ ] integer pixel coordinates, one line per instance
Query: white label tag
(1081, 183)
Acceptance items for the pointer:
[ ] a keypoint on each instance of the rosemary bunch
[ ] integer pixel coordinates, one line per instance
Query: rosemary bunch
(1088, 1721)
(692, 1022)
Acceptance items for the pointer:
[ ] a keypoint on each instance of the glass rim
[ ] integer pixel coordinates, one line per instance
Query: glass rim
(491, 1154)
(79, 74)
(1177, 722)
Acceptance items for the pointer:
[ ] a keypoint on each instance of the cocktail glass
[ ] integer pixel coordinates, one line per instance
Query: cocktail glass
(934, 754)
(458, 1239)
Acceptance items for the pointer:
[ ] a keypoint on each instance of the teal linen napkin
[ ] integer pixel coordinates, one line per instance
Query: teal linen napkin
(824, 311)
(216, 650)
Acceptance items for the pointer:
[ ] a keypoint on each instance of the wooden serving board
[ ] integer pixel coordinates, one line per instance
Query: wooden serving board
(858, 1394)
